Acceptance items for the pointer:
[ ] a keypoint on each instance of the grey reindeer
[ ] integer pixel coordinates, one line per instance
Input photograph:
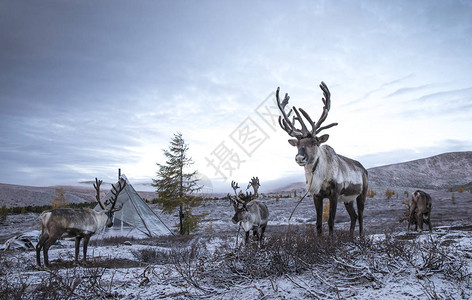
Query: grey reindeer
(328, 175)
(77, 223)
(420, 210)
(250, 213)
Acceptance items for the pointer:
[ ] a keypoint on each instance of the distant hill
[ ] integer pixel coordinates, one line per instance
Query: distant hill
(20, 195)
(437, 172)
(443, 171)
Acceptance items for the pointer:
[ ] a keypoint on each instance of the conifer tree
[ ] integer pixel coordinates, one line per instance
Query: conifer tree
(175, 186)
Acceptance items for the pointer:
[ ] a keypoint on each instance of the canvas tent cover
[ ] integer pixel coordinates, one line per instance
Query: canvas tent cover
(135, 213)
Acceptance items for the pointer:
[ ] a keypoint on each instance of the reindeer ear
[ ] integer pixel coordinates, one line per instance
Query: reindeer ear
(293, 142)
(323, 138)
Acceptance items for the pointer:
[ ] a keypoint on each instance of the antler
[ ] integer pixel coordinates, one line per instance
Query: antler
(115, 192)
(285, 123)
(255, 185)
(324, 114)
(289, 126)
(96, 185)
(235, 186)
(239, 198)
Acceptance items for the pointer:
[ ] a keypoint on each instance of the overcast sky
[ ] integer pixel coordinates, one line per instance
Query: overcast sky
(87, 87)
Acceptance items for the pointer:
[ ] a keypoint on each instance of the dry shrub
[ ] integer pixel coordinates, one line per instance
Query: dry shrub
(73, 284)
(283, 253)
(13, 289)
(427, 257)
(173, 256)
(389, 193)
(370, 193)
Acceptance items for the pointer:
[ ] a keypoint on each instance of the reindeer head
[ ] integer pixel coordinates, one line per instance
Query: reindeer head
(306, 141)
(115, 192)
(240, 199)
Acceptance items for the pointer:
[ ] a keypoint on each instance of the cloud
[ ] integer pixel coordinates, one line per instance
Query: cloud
(88, 87)
(408, 90)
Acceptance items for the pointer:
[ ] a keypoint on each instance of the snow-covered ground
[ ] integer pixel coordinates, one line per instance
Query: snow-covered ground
(209, 264)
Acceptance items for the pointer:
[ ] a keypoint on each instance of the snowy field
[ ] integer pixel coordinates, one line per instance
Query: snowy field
(293, 264)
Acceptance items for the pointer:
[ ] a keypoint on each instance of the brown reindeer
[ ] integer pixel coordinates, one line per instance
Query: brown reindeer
(420, 210)
(328, 175)
(77, 223)
(252, 214)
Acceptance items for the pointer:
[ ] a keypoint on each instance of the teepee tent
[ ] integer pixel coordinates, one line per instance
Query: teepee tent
(135, 217)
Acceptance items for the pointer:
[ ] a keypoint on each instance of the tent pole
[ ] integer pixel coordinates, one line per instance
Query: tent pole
(121, 221)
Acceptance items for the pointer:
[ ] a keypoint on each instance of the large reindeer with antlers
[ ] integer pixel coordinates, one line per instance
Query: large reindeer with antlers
(252, 214)
(328, 175)
(78, 223)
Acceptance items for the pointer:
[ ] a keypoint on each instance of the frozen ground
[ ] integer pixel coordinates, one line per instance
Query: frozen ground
(388, 264)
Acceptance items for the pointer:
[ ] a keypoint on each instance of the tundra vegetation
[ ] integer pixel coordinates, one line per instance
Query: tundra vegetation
(389, 193)
(294, 262)
(317, 266)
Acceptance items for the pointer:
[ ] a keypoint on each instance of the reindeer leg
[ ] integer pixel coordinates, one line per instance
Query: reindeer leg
(262, 233)
(39, 246)
(256, 234)
(429, 223)
(247, 237)
(360, 211)
(419, 220)
(319, 212)
(412, 211)
(352, 213)
(86, 241)
(77, 245)
(49, 243)
(333, 203)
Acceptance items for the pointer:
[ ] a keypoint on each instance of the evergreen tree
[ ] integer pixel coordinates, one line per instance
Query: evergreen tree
(175, 186)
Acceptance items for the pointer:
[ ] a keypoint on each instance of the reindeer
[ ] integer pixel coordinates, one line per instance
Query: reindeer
(252, 214)
(328, 175)
(421, 208)
(77, 223)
